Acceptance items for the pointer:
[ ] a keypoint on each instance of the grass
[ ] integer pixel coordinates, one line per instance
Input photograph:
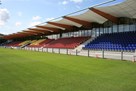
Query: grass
(34, 71)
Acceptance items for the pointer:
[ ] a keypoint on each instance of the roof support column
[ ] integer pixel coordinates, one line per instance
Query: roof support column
(105, 15)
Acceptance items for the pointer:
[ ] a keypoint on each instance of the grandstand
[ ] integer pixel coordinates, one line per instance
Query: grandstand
(36, 43)
(1, 35)
(100, 29)
(115, 42)
(1, 38)
(13, 44)
(69, 43)
(77, 52)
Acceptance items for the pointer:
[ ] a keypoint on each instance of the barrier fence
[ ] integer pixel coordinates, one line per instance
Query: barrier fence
(90, 53)
(130, 56)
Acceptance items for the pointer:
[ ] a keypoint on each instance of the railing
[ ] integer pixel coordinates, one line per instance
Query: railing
(90, 53)
(129, 56)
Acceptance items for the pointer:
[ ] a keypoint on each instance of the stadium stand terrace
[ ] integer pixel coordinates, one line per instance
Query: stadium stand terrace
(41, 43)
(69, 43)
(109, 28)
(115, 41)
(13, 44)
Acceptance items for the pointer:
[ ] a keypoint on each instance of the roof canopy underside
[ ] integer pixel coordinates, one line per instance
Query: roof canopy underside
(95, 14)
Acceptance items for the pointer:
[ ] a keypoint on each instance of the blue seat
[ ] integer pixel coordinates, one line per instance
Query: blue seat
(115, 41)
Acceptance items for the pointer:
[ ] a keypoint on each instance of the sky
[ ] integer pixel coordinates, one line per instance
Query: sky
(18, 15)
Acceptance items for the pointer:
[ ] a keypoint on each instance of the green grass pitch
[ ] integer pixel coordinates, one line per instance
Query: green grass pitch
(36, 71)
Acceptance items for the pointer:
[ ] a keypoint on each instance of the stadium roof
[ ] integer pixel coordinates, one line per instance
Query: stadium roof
(1, 35)
(68, 23)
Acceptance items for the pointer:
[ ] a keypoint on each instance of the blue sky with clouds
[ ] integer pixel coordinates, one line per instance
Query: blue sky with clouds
(18, 15)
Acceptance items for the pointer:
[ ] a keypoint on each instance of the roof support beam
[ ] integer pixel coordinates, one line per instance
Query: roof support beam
(50, 28)
(68, 27)
(46, 32)
(105, 15)
(85, 24)
(33, 31)
(29, 33)
(17, 36)
(21, 35)
(24, 34)
(42, 30)
(6, 37)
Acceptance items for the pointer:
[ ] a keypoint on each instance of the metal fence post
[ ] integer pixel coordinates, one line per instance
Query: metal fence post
(67, 51)
(47, 49)
(59, 50)
(42, 49)
(121, 55)
(102, 53)
(76, 52)
(52, 50)
(88, 53)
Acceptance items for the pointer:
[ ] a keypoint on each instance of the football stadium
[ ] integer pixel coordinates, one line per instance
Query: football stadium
(93, 50)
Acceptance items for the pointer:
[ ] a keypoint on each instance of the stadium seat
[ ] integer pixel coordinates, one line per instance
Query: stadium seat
(115, 42)
(40, 43)
(66, 43)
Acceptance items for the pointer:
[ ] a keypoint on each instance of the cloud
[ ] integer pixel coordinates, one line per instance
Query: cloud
(64, 2)
(68, 1)
(34, 23)
(78, 7)
(77, 1)
(48, 19)
(36, 18)
(4, 16)
(19, 13)
(18, 24)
